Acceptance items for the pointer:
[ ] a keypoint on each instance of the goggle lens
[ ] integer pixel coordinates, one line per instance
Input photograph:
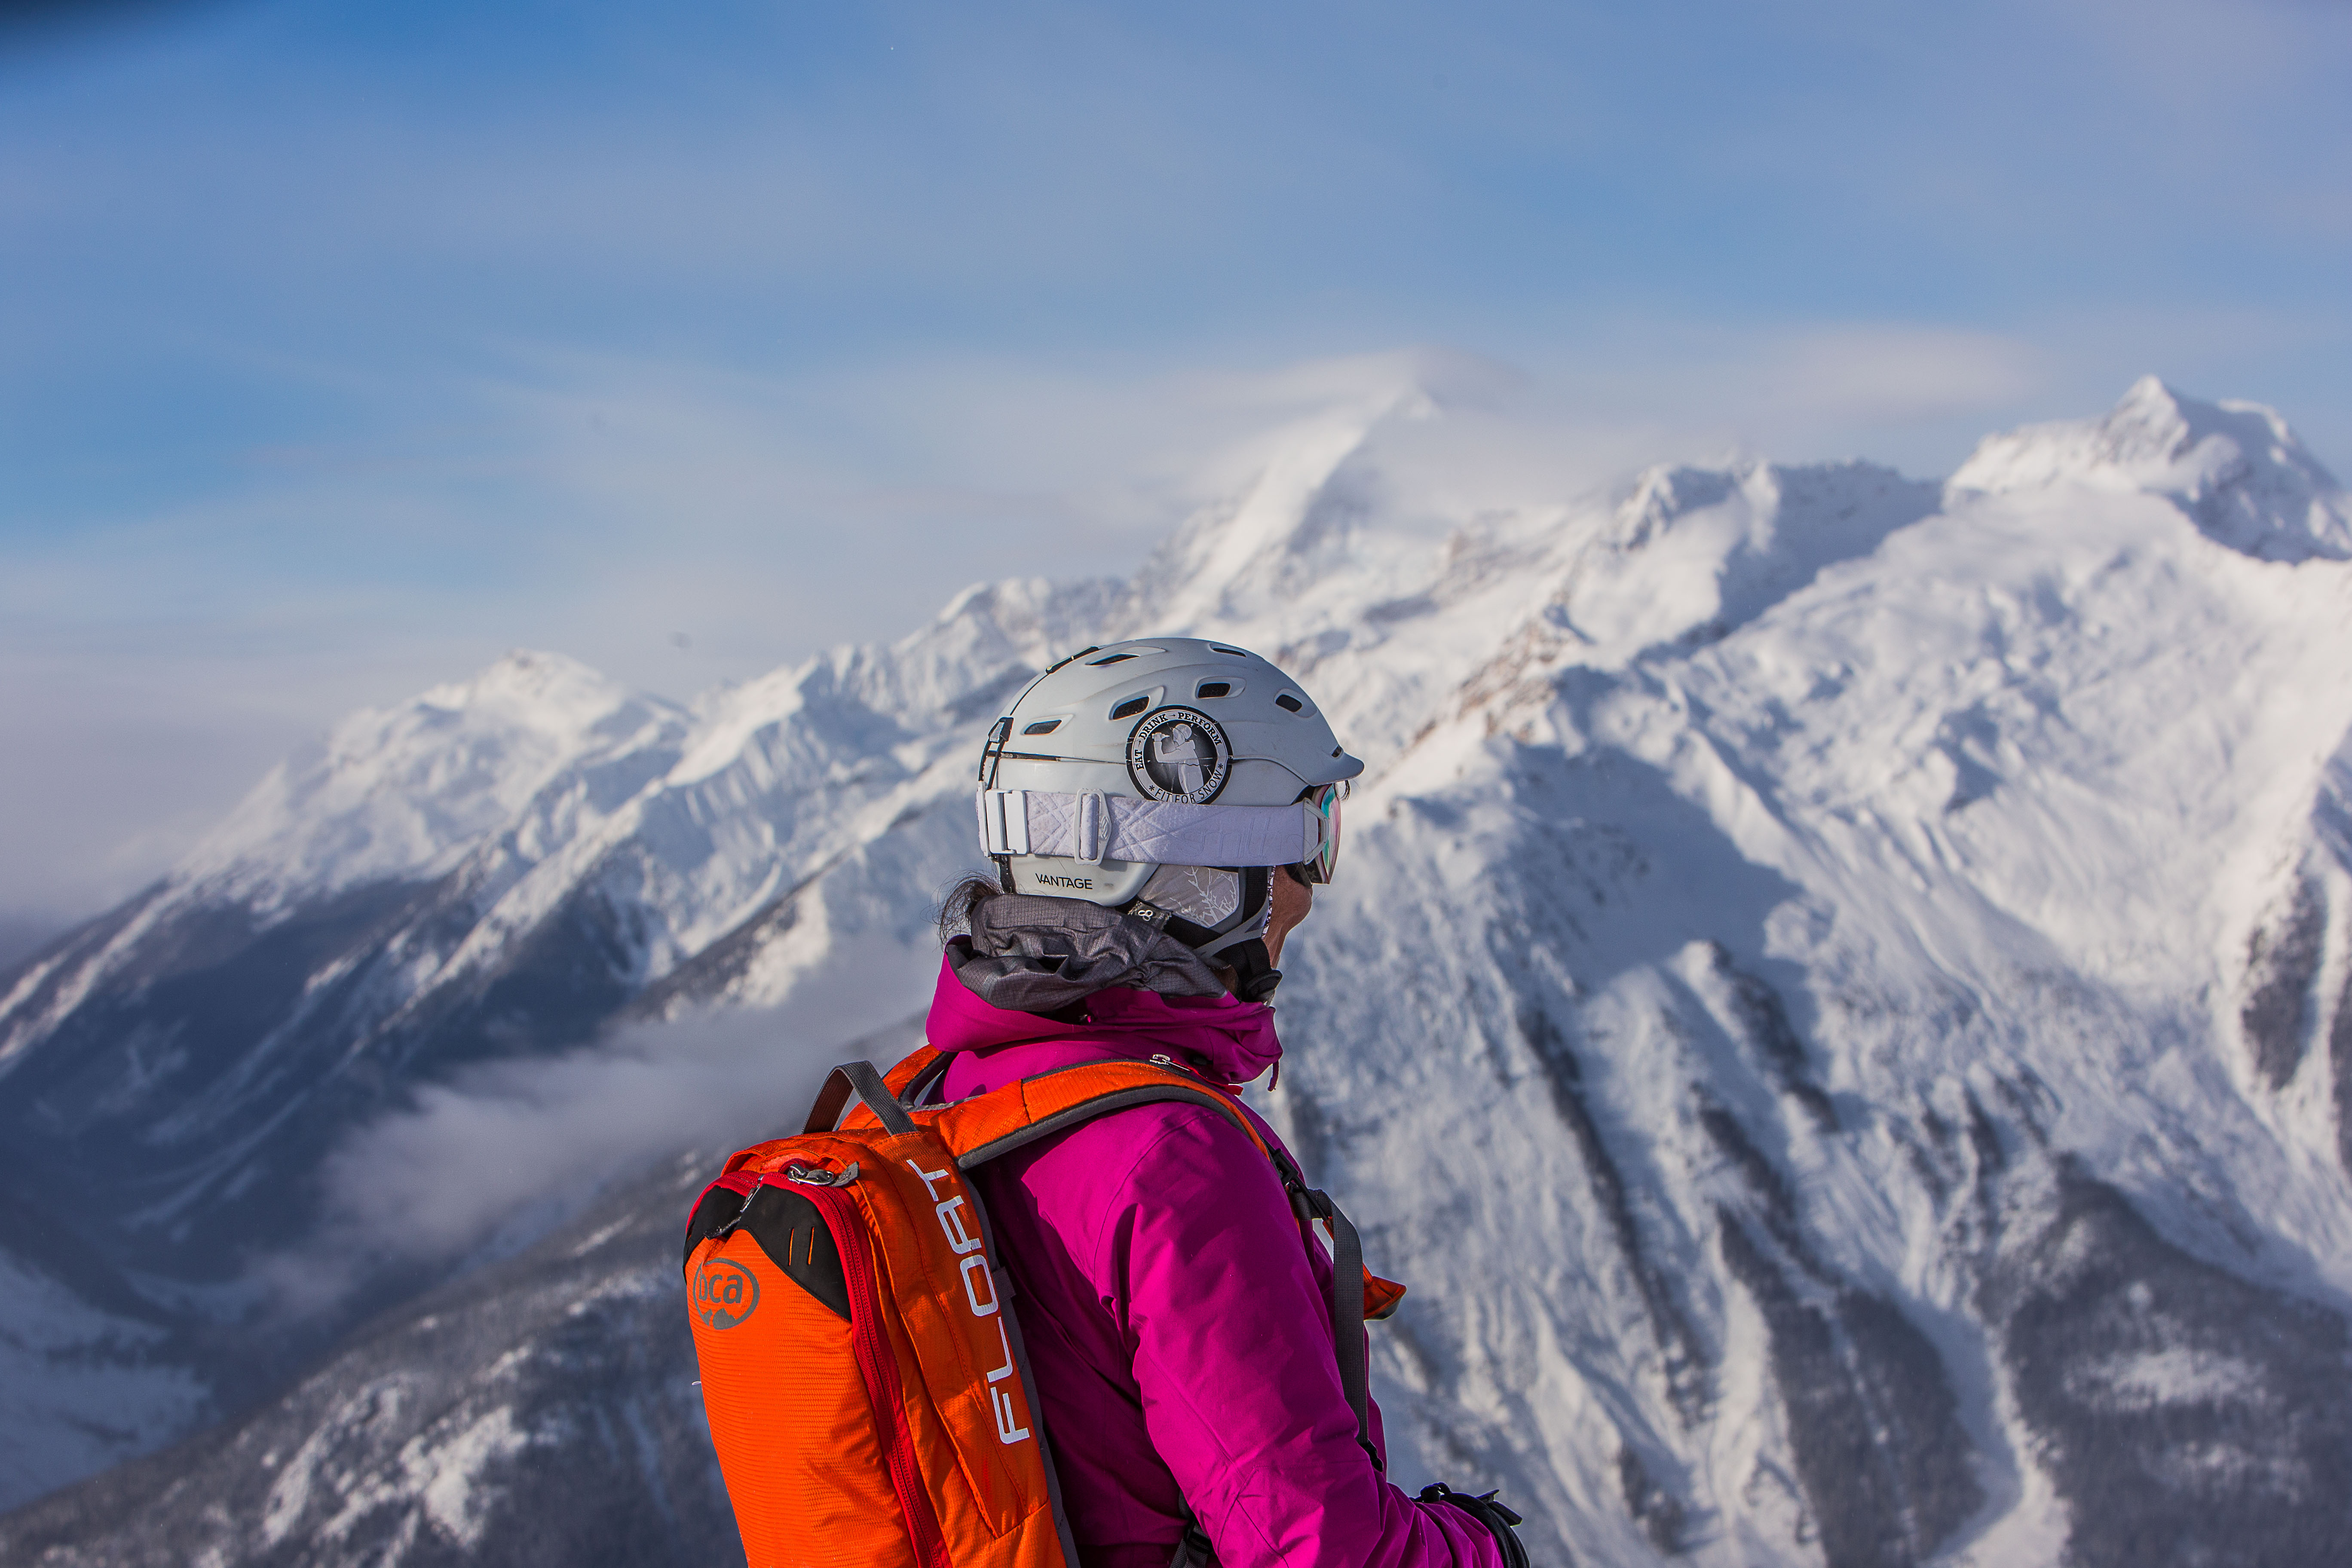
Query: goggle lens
(1325, 800)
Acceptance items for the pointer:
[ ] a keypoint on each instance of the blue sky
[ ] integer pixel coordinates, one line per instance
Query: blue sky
(343, 347)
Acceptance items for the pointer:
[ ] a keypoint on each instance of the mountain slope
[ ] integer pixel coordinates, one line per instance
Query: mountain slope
(1837, 1002)
(1849, 951)
(486, 874)
(542, 1410)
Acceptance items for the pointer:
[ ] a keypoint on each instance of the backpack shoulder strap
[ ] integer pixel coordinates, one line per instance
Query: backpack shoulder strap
(882, 1099)
(978, 1129)
(921, 1067)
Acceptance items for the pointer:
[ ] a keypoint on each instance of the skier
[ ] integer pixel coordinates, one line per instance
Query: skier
(1160, 813)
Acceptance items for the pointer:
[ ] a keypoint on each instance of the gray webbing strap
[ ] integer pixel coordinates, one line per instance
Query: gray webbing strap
(1347, 1321)
(860, 1078)
(1346, 1302)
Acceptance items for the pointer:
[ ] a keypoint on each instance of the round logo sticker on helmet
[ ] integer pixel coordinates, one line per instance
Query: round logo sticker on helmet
(1177, 753)
(724, 1293)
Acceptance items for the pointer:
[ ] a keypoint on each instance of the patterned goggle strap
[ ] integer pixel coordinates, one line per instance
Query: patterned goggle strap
(1098, 827)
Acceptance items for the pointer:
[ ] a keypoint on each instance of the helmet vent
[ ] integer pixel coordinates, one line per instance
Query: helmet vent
(1043, 726)
(1289, 703)
(1114, 659)
(1131, 707)
(1213, 689)
(1216, 647)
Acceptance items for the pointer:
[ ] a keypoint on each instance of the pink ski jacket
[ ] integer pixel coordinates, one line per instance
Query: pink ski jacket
(1175, 1311)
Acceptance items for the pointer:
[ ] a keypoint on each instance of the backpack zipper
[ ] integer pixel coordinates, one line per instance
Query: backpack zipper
(800, 1175)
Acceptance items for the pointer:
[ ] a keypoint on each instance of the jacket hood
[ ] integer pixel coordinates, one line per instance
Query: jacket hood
(1227, 1038)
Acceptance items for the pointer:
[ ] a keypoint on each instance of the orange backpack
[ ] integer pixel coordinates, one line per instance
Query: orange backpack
(868, 1390)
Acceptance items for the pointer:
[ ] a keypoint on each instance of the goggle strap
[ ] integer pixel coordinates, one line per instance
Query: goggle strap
(1095, 827)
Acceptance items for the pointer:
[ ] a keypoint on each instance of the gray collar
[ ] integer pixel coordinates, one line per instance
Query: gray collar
(1038, 955)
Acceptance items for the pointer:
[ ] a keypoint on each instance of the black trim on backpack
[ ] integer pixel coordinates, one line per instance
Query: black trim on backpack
(789, 1228)
(715, 1212)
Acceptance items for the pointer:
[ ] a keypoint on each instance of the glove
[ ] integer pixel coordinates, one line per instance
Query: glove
(1486, 1511)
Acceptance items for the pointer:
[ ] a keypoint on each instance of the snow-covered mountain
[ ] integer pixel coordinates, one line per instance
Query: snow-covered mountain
(1839, 1001)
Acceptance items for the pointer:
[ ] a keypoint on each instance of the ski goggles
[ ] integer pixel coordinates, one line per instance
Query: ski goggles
(1323, 802)
(1095, 827)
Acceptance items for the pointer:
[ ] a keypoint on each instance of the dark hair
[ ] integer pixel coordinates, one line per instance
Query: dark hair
(970, 891)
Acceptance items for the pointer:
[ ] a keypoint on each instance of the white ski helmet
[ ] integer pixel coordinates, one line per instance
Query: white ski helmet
(1166, 778)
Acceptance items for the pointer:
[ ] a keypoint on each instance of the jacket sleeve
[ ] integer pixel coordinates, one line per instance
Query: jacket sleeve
(1203, 1266)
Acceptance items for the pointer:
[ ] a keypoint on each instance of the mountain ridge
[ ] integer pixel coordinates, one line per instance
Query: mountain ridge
(1887, 944)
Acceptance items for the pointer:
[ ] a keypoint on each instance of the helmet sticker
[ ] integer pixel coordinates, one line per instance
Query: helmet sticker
(1205, 895)
(1177, 754)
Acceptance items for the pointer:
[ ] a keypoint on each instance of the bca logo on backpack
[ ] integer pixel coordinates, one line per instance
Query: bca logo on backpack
(725, 1293)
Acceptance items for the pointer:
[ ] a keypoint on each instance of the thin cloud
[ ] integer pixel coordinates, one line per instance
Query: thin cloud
(484, 1165)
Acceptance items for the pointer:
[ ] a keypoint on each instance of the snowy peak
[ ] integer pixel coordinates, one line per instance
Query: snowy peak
(988, 633)
(1691, 552)
(867, 698)
(545, 690)
(1313, 519)
(405, 792)
(2236, 468)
